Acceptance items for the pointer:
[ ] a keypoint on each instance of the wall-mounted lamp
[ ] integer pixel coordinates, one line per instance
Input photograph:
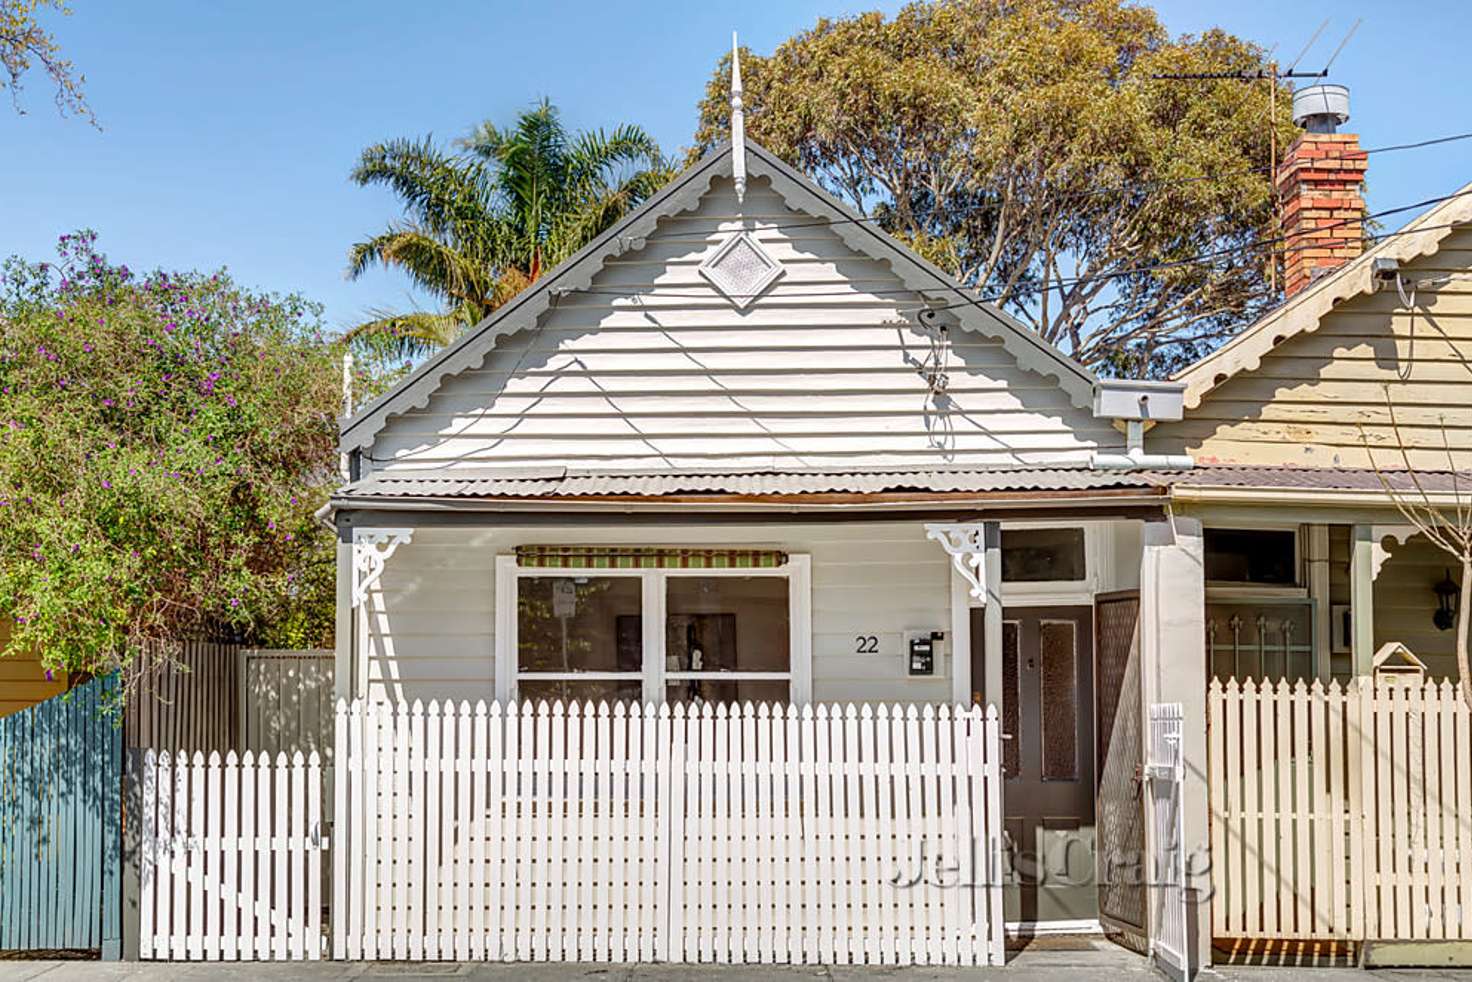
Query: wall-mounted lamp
(1446, 603)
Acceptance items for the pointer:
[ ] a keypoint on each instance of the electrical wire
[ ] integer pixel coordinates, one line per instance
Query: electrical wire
(1167, 181)
(1070, 281)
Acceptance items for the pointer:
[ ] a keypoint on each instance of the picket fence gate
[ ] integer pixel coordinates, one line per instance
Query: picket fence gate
(230, 856)
(636, 834)
(1341, 812)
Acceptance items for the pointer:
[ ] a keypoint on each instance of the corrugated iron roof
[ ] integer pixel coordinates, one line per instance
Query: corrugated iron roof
(560, 483)
(1315, 478)
(466, 484)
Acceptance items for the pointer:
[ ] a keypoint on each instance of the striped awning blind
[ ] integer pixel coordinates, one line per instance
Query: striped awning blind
(647, 557)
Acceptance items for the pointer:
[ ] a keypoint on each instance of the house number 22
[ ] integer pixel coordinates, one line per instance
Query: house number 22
(866, 644)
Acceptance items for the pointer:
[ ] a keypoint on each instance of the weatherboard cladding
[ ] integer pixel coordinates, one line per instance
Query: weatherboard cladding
(628, 359)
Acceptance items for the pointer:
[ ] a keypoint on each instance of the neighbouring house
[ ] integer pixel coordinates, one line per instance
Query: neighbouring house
(24, 681)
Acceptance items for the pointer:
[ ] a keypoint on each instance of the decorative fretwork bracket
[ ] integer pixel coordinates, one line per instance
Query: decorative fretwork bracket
(371, 550)
(1378, 552)
(966, 545)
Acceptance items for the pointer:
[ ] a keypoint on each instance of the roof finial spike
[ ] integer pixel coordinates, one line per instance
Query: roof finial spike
(738, 125)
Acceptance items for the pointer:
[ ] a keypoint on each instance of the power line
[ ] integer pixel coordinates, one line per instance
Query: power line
(1116, 274)
(1166, 181)
(1119, 274)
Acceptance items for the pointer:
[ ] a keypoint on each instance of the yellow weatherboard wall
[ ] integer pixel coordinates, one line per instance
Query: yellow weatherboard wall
(23, 681)
(1319, 396)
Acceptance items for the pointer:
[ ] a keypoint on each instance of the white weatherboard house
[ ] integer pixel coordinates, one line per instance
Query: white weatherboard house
(747, 448)
(745, 592)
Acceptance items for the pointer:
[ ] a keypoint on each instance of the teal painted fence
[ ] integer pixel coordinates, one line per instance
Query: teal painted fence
(60, 824)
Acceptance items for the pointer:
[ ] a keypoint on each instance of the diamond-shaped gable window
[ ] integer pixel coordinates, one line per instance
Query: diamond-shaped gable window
(741, 269)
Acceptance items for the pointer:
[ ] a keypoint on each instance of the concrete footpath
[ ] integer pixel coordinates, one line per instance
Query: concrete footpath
(1085, 960)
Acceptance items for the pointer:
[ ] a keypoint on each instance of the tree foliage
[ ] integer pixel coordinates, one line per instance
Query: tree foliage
(164, 441)
(1026, 147)
(24, 44)
(484, 222)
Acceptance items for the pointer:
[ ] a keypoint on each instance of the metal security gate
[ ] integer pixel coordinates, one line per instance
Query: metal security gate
(1170, 946)
(60, 845)
(1120, 811)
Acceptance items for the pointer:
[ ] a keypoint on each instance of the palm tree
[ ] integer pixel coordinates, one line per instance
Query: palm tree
(485, 222)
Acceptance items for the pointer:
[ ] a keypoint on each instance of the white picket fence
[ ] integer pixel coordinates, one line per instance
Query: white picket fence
(629, 834)
(230, 865)
(1341, 812)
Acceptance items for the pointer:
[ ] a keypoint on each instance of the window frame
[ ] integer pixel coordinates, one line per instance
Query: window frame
(653, 609)
(1247, 589)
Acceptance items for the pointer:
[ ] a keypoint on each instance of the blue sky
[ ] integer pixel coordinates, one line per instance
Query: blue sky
(229, 129)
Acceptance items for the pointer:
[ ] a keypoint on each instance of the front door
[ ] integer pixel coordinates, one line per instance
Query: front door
(1047, 705)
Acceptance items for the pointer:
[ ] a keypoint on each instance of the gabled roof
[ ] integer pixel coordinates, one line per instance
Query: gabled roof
(683, 194)
(1302, 313)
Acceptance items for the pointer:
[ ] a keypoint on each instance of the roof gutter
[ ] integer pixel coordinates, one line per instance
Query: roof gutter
(1327, 497)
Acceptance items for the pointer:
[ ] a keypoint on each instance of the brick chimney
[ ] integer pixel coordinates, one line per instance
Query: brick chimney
(1320, 189)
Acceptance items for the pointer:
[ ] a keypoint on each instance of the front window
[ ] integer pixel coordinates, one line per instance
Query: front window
(727, 634)
(727, 639)
(1259, 557)
(578, 637)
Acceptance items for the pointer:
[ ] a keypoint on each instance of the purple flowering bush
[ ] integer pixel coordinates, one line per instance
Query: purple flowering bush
(164, 441)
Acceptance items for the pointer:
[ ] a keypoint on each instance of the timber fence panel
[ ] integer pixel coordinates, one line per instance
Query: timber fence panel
(231, 863)
(61, 769)
(1340, 811)
(727, 834)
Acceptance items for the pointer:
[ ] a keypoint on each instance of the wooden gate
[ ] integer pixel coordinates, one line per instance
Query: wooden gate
(230, 856)
(60, 842)
(1120, 809)
(1340, 812)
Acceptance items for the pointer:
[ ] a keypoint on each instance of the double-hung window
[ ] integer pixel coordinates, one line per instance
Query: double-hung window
(651, 625)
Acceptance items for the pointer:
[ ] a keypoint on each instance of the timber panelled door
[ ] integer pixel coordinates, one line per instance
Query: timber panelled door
(1048, 762)
(1120, 804)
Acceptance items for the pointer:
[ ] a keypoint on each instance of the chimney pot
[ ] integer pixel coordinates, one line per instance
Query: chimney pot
(1321, 108)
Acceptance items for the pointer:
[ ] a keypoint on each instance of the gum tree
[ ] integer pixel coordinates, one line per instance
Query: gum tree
(1029, 148)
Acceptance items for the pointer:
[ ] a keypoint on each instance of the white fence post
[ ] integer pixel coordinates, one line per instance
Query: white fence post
(1166, 773)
